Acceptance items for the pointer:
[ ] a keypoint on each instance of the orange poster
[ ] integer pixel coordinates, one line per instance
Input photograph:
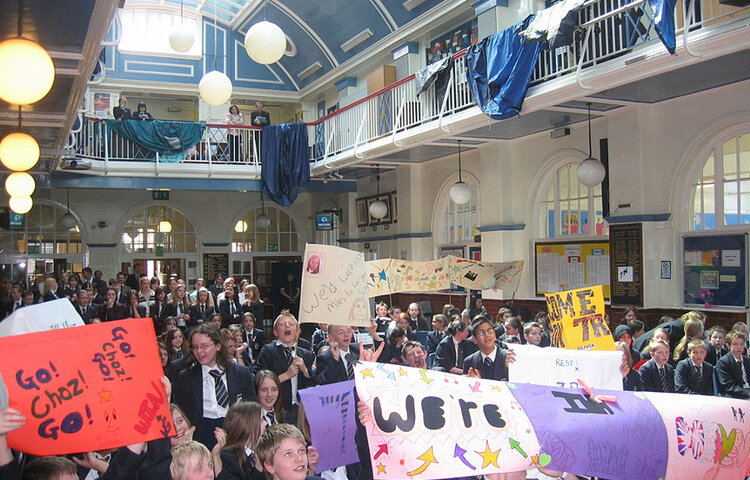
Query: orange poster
(86, 388)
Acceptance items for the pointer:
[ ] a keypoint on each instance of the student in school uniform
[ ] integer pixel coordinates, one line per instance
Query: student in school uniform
(656, 374)
(491, 361)
(716, 346)
(210, 383)
(453, 349)
(292, 364)
(733, 369)
(693, 374)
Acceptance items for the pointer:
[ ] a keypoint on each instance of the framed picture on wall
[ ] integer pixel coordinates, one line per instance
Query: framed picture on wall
(394, 207)
(363, 216)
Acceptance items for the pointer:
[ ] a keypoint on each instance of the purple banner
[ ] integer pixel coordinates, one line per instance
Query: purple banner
(331, 411)
(619, 441)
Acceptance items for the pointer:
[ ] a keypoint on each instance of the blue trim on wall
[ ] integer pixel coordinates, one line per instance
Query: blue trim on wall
(210, 245)
(72, 180)
(503, 227)
(484, 5)
(346, 82)
(413, 47)
(647, 217)
(101, 245)
(386, 237)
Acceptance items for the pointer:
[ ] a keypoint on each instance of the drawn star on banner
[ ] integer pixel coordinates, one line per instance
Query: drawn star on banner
(105, 396)
(489, 457)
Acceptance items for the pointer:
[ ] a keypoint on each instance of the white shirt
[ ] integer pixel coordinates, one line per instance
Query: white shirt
(491, 356)
(211, 408)
(293, 380)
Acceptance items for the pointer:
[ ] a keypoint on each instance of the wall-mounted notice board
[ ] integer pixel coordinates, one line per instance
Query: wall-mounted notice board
(715, 270)
(626, 245)
(570, 265)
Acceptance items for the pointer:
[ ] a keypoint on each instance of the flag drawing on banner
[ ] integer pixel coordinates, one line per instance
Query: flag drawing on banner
(330, 410)
(560, 367)
(486, 275)
(433, 425)
(90, 388)
(334, 289)
(577, 319)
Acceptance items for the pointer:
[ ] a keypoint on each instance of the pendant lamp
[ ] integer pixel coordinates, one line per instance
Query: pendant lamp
(460, 192)
(378, 209)
(68, 221)
(19, 151)
(215, 88)
(591, 172)
(265, 42)
(20, 205)
(263, 220)
(27, 72)
(20, 184)
(181, 37)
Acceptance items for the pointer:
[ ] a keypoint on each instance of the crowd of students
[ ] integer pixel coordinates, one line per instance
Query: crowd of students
(235, 404)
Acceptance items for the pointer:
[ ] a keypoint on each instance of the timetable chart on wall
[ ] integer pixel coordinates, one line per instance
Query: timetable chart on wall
(571, 265)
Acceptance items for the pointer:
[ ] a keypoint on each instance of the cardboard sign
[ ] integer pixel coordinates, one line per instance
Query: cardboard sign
(40, 317)
(433, 425)
(577, 319)
(334, 286)
(86, 388)
(560, 367)
(330, 411)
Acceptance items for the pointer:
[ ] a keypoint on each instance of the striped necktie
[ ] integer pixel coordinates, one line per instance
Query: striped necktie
(663, 378)
(222, 397)
(699, 374)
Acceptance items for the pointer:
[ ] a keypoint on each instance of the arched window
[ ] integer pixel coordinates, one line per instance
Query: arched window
(460, 222)
(721, 188)
(39, 232)
(281, 235)
(159, 228)
(147, 31)
(569, 207)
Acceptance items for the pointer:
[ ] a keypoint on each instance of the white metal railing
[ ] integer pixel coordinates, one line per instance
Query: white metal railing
(607, 29)
(220, 144)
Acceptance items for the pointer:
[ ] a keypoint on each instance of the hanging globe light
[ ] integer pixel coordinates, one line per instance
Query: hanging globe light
(263, 221)
(265, 42)
(68, 221)
(181, 38)
(28, 72)
(20, 204)
(20, 184)
(215, 88)
(378, 209)
(591, 172)
(165, 226)
(19, 151)
(460, 193)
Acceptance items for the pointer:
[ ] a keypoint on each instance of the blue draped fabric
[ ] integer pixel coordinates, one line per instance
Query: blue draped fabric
(499, 70)
(663, 11)
(160, 136)
(285, 161)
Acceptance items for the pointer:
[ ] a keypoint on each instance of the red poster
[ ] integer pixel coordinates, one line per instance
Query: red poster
(86, 388)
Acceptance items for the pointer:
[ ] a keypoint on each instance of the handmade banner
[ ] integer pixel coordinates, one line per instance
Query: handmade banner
(560, 367)
(334, 289)
(433, 425)
(708, 437)
(40, 317)
(86, 388)
(390, 275)
(330, 410)
(485, 275)
(577, 319)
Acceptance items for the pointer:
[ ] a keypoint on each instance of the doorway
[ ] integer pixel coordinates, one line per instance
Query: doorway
(161, 268)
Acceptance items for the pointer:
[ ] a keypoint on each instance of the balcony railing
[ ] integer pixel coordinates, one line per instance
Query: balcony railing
(608, 29)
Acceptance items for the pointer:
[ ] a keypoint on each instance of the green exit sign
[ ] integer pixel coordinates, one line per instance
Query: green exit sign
(160, 194)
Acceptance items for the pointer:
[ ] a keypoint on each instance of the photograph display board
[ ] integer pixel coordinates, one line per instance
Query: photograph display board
(715, 270)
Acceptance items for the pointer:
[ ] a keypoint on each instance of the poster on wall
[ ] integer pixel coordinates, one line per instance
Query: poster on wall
(101, 104)
(453, 41)
(569, 265)
(715, 270)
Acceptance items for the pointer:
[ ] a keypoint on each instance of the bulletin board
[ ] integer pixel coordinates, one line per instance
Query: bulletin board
(570, 265)
(715, 268)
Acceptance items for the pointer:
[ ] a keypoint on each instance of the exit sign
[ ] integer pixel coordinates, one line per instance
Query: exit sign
(160, 194)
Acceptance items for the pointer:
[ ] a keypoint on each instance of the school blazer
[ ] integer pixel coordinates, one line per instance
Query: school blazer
(729, 374)
(686, 380)
(499, 370)
(650, 376)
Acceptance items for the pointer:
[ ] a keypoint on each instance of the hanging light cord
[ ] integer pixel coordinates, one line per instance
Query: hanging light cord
(19, 118)
(181, 13)
(20, 18)
(68, 204)
(265, 10)
(589, 116)
(216, 36)
(459, 162)
(377, 179)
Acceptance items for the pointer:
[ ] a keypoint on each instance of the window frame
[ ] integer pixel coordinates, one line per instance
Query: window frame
(174, 12)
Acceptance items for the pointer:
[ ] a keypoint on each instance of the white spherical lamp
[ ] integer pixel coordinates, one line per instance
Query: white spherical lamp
(378, 209)
(68, 221)
(27, 73)
(19, 152)
(20, 204)
(591, 172)
(265, 42)
(165, 226)
(460, 193)
(20, 184)
(263, 221)
(215, 88)
(240, 226)
(181, 38)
